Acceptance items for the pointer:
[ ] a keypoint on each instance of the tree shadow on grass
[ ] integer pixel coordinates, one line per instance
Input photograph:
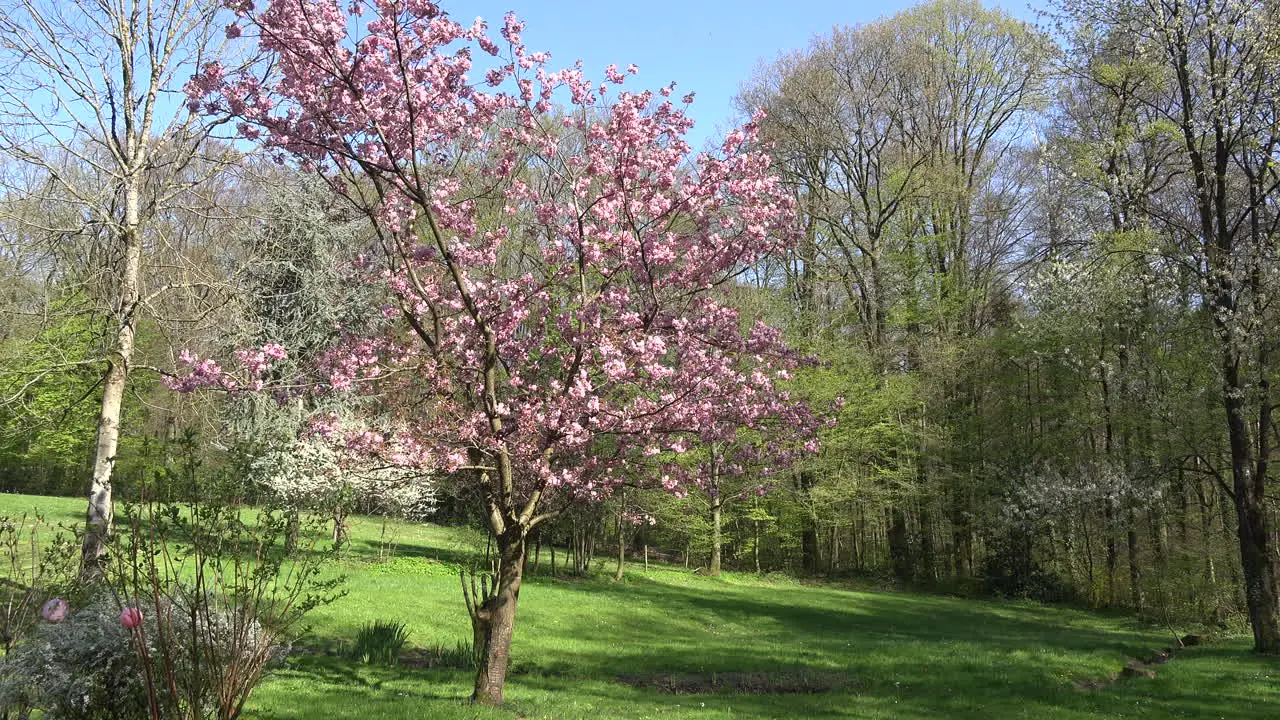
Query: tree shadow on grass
(370, 551)
(340, 672)
(921, 655)
(863, 616)
(911, 657)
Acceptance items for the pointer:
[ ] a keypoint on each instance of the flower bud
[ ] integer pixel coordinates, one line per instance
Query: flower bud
(131, 617)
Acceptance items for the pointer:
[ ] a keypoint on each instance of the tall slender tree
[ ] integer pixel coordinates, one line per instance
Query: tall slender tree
(90, 100)
(1215, 61)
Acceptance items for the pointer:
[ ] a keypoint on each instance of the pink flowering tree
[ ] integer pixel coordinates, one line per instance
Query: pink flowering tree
(552, 278)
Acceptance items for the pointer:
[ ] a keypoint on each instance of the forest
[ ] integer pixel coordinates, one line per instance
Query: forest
(966, 306)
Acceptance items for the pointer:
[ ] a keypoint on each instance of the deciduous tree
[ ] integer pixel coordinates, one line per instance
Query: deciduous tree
(554, 291)
(88, 102)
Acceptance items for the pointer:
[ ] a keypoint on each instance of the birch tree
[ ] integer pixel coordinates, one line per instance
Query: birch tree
(95, 85)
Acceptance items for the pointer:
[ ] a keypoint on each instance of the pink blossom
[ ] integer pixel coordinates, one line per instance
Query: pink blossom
(131, 617)
(638, 518)
(256, 364)
(613, 341)
(54, 610)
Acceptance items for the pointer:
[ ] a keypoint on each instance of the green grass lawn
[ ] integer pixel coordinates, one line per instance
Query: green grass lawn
(892, 655)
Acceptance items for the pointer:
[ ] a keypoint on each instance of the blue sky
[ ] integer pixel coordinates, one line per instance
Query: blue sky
(707, 46)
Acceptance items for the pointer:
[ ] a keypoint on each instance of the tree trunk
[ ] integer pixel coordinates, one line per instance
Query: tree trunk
(809, 546)
(1220, 233)
(860, 556)
(339, 527)
(493, 621)
(755, 547)
(928, 554)
(1094, 600)
(1259, 572)
(808, 531)
(833, 563)
(99, 515)
(1160, 547)
(622, 537)
(588, 547)
(293, 526)
(714, 566)
(1135, 568)
(899, 547)
(959, 544)
(1260, 588)
(570, 561)
(1109, 515)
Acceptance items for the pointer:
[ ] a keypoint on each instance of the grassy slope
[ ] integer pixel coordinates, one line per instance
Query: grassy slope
(912, 656)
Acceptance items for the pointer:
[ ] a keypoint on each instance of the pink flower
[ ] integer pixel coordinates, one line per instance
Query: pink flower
(131, 617)
(597, 370)
(54, 610)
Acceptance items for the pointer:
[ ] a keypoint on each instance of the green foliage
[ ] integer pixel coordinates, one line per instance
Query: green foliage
(50, 396)
(379, 643)
(83, 668)
(414, 567)
(461, 655)
(48, 380)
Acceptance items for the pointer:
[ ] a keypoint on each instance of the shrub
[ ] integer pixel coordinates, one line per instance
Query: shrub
(462, 656)
(104, 662)
(214, 595)
(37, 564)
(228, 595)
(206, 655)
(380, 643)
(228, 586)
(83, 668)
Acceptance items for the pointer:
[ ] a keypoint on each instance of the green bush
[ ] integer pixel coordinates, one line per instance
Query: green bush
(461, 656)
(380, 643)
(85, 667)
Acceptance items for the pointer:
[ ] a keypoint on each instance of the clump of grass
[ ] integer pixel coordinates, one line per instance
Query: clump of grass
(380, 643)
(462, 656)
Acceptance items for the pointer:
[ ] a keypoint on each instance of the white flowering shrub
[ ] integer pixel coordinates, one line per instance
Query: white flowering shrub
(297, 302)
(312, 472)
(1048, 494)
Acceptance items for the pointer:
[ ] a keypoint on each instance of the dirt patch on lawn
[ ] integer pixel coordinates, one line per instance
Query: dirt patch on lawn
(1144, 668)
(742, 683)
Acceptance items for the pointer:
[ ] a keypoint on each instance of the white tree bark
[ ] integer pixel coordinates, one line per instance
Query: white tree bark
(92, 101)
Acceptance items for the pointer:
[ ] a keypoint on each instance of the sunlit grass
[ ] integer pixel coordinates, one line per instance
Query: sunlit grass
(903, 655)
